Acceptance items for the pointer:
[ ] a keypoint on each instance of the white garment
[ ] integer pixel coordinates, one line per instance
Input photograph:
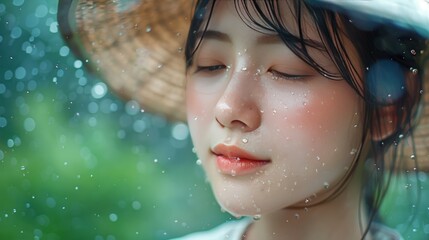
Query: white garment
(234, 230)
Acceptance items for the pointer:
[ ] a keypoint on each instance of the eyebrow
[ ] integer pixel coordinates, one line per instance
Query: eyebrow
(263, 39)
(223, 37)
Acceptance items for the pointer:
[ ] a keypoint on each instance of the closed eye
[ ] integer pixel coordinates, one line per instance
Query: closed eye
(210, 68)
(277, 74)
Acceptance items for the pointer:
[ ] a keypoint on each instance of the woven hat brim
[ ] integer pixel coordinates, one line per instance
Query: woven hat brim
(136, 47)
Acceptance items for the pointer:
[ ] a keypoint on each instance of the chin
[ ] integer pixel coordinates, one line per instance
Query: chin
(247, 205)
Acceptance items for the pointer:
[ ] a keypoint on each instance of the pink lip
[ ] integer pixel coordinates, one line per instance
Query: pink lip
(234, 161)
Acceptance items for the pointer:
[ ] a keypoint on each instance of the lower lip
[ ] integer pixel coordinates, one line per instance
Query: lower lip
(242, 166)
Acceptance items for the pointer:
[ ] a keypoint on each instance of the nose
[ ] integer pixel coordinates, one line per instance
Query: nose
(239, 105)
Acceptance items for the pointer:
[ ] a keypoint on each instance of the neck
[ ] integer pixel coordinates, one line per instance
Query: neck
(340, 218)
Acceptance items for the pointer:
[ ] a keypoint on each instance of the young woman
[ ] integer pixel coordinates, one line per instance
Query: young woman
(296, 108)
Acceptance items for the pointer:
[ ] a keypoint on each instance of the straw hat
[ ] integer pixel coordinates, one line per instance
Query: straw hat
(137, 46)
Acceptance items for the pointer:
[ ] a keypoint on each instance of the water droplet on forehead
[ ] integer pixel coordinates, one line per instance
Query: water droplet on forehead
(326, 185)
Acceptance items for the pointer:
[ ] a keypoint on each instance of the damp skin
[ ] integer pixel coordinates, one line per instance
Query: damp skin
(309, 127)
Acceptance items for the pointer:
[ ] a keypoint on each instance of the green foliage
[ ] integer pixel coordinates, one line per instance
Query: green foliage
(74, 181)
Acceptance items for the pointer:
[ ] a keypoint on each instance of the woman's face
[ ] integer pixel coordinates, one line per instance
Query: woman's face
(269, 130)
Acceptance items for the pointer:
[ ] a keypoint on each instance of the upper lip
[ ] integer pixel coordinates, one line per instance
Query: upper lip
(232, 151)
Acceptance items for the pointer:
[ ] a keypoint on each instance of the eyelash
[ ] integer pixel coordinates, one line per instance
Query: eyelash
(277, 74)
(211, 68)
(287, 76)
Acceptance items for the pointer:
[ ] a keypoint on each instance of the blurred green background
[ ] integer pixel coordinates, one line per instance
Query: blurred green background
(78, 163)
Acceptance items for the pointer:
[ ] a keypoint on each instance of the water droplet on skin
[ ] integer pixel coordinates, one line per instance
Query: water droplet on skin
(233, 173)
(244, 69)
(353, 151)
(415, 71)
(326, 185)
(307, 200)
(412, 156)
(148, 28)
(355, 126)
(198, 162)
(245, 140)
(296, 215)
(421, 91)
(257, 217)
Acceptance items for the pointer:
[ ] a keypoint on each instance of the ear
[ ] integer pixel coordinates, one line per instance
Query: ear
(385, 120)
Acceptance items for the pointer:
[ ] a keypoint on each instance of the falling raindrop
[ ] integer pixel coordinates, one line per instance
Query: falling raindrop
(113, 217)
(99, 90)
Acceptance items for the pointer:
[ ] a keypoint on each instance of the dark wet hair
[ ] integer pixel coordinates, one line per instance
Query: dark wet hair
(379, 46)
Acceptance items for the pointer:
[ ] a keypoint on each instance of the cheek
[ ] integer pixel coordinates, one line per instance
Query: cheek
(318, 120)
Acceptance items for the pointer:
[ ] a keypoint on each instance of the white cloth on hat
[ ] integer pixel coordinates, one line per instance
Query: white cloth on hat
(410, 14)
